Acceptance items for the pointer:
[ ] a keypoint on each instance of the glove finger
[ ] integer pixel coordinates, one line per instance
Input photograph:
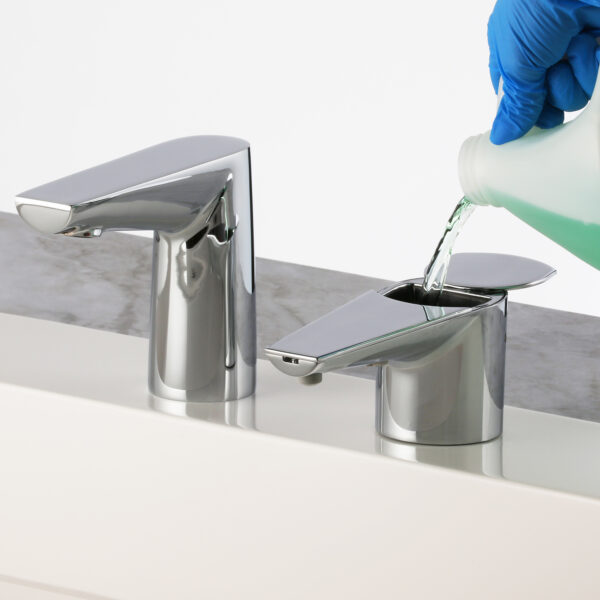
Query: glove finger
(550, 117)
(564, 91)
(519, 109)
(581, 55)
(588, 16)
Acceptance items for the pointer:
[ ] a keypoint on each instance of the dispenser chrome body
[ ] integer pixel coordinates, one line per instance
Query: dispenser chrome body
(440, 368)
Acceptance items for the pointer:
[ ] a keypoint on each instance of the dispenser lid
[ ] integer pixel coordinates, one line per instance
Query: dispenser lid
(496, 272)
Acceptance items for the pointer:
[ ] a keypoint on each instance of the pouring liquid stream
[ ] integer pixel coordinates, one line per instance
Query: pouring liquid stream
(436, 271)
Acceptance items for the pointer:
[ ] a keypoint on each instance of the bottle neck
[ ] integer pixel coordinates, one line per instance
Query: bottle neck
(468, 170)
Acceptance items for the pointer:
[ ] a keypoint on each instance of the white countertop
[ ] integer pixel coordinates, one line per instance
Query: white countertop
(103, 497)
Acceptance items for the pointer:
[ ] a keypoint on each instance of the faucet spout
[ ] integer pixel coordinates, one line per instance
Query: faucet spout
(186, 201)
(195, 193)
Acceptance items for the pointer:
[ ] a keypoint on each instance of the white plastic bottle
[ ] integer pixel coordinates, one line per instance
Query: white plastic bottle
(549, 178)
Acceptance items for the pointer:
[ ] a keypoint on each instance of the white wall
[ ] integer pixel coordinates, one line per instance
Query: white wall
(355, 112)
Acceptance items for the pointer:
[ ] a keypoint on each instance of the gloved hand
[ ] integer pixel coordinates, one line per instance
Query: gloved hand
(547, 55)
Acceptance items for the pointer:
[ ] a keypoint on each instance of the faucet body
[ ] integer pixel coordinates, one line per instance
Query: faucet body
(195, 193)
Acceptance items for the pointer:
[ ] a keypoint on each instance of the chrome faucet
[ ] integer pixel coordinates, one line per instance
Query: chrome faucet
(195, 193)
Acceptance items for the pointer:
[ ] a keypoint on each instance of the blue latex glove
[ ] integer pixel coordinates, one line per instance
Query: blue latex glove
(547, 55)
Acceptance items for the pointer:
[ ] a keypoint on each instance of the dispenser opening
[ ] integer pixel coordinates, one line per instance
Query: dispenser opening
(413, 293)
(290, 359)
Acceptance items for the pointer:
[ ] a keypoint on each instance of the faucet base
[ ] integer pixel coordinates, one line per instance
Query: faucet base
(236, 384)
(452, 394)
(203, 313)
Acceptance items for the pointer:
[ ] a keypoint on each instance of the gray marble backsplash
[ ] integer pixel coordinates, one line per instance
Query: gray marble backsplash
(553, 357)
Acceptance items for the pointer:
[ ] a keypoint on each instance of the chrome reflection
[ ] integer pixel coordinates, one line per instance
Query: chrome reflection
(482, 459)
(235, 413)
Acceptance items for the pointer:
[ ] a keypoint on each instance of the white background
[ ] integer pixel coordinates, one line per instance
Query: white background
(355, 112)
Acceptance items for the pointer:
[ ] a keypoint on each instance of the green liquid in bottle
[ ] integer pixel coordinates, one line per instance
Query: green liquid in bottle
(579, 238)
